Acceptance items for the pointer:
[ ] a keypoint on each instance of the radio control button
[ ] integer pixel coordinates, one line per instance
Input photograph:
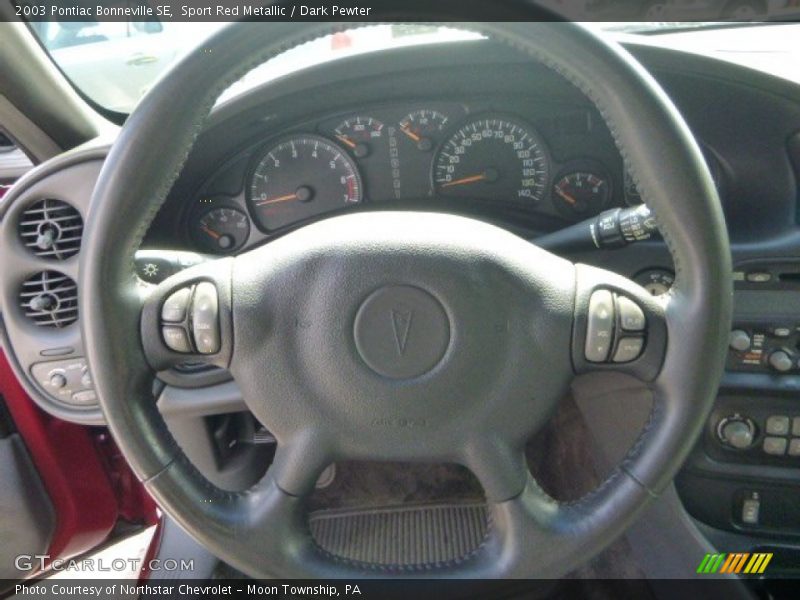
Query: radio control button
(175, 307)
(600, 326)
(628, 349)
(631, 316)
(176, 339)
(781, 361)
(740, 340)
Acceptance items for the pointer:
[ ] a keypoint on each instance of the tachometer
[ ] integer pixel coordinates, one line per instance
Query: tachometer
(302, 177)
(493, 158)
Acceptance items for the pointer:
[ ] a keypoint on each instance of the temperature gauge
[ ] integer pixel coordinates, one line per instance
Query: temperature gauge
(221, 230)
(656, 281)
(422, 127)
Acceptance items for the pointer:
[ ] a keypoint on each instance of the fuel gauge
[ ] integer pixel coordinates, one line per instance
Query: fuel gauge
(580, 194)
(221, 230)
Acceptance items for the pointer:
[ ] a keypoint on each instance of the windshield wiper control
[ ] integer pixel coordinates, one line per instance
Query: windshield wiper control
(615, 228)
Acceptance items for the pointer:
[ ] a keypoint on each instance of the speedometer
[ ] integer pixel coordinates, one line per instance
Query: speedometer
(494, 158)
(299, 178)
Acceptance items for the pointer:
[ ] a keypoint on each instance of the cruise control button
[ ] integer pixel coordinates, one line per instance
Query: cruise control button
(175, 307)
(775, 446)
(628, 349)
(176, 339)
(600, 326)
(631, 317)
(205, 318)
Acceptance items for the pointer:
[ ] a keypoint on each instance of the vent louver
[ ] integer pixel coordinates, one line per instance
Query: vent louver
(51, 229)
(50, 299)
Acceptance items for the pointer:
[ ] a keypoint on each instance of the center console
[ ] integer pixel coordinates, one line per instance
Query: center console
(744, 475)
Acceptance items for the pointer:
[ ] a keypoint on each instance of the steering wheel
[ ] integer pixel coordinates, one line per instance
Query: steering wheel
(403, 336)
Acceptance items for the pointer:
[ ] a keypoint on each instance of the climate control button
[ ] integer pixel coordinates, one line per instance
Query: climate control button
(736, 432)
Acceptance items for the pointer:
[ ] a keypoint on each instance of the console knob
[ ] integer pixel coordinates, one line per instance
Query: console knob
(58, 381)
(737, 432)
(740, 340)
(781, 361)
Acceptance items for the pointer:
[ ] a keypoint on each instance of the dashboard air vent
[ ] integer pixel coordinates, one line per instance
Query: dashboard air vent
(51, 229)
(50, 299)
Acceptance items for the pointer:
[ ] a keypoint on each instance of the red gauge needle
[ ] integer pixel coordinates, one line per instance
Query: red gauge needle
(489, 175)
(411, 134)
(210, 232)
(303, 194)
(346, 141)
(566, 196)
(285, 198)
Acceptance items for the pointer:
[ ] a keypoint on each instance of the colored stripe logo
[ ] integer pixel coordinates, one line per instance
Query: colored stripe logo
(735, 562)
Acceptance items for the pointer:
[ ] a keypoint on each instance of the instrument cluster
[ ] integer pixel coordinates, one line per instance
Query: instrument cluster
(507, 163)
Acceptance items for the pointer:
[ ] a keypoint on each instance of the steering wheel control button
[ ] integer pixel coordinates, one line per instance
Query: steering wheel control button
(600, 326)
(777, 425)
(631, 317)
(736, 432)
(401, 331)
(175, 307)
(205, 318)
(628, 349)
(740, 340)
(176, 339)
(775, 446)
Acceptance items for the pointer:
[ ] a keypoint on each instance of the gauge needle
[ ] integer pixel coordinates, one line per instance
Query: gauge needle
(566, 196)
(411, 134)
(465, 180)
(285, 198)
(346, 141)
(210, 232)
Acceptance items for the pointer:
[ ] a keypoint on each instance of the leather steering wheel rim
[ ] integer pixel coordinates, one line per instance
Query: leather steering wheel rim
(262, 531)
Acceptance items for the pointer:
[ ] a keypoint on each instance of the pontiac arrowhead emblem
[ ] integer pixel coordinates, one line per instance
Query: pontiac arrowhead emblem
(401, 324)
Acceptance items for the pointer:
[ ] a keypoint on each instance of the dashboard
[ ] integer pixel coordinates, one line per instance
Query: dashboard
(466, 128)
(518, 159)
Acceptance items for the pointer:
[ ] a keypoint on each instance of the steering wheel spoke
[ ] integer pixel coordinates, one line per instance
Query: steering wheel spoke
(187, 317)
(618, 325)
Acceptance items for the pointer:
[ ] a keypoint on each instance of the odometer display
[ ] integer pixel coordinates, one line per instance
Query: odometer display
(493, 158)
(300, 178)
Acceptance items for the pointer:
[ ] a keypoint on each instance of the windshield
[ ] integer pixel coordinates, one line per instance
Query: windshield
(115, 63)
